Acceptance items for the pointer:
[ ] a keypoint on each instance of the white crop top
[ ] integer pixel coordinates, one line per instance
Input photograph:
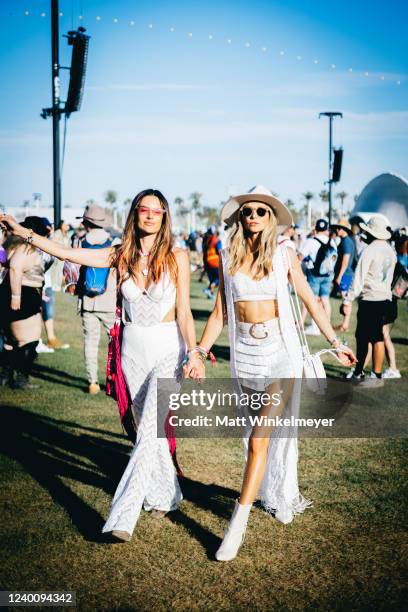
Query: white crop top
(246, 289)
(149, 306)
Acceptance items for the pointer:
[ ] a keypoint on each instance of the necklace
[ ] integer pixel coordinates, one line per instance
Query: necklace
(145, 255)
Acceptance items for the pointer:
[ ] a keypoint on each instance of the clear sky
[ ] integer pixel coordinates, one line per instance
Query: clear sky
(196, 112)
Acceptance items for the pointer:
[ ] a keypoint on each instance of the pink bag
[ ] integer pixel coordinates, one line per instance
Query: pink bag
(117, 389)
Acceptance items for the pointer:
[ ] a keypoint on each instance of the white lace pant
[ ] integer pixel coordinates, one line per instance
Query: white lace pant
(149, 480)
(257, 362)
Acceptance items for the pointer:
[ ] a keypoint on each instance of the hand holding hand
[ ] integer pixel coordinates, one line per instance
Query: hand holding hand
(15, 302)
(346, 356)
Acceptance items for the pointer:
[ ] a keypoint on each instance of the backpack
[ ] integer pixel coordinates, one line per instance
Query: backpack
(325, 259)
(93, 281)
(212, 256)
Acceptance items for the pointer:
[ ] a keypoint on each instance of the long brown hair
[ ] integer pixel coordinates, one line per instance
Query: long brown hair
(265, 246)
(161, 256)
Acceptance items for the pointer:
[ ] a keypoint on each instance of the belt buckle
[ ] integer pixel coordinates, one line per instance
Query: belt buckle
(253, 334)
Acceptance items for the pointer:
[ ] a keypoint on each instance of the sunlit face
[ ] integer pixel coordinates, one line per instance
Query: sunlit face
(150, 214)
(253, 218)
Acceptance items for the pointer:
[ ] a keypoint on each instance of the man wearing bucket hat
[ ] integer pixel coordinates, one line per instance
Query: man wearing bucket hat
(101, 308)
(372, 285)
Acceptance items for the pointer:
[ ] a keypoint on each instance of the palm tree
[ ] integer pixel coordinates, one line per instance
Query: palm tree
(111, 197)
(324, 196)
(292, 209)
(308, 195)
(181, 209)
(342, 195)
(195, 198)
(210, 215)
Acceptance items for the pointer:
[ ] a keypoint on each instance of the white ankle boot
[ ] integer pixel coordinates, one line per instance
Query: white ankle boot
(235, 533)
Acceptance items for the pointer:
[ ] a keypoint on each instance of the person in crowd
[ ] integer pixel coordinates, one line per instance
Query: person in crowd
(154, 288)
(20, 299)
(253, 296)
(211, 255)
(319, 255)
(48, 300)
(287, 237)
(95, 309)
(372, 285)
(61, 235)
(343, 271)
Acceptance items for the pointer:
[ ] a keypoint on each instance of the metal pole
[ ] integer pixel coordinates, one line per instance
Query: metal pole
(55, 84)
(331, 116)
(330, 167)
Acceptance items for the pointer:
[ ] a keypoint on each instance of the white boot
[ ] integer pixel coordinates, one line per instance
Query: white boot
(235, 533)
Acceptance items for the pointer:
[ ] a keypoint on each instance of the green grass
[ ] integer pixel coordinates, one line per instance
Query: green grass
(63, 452)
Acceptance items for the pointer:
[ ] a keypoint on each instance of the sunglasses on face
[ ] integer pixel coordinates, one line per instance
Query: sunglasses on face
(246, 211)
(144, 210)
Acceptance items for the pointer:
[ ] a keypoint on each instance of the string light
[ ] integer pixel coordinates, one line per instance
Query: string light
(247, 44)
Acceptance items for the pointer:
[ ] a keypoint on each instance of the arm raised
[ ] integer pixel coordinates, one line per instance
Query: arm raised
(97, 258)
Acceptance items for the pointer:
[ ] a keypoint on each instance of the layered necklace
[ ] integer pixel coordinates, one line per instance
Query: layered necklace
(145, 256)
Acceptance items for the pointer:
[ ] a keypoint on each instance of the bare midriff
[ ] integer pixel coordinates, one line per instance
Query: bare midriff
(257, 311)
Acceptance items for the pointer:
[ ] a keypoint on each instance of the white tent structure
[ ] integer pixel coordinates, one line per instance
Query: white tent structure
(387, 194)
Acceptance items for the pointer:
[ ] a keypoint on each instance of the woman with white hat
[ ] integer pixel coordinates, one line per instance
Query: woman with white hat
(254, 297)
(154, 290)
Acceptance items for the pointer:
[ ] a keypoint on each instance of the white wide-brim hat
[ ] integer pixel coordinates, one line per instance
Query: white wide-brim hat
(256, 194)
(377, 227)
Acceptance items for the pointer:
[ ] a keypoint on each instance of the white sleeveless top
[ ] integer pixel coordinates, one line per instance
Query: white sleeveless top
(147, 306)
(246, 289)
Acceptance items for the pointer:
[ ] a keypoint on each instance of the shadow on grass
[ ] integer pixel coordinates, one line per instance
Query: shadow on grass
(50, 451)
(50, 454)
(59, 377)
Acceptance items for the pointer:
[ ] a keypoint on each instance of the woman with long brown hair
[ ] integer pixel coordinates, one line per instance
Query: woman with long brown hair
(154, 284)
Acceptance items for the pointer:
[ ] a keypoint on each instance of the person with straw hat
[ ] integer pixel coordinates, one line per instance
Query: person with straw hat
(372, 286)
(343, 271)
(265, 349)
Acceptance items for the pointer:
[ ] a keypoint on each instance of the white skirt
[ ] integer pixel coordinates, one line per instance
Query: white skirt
(259, 361)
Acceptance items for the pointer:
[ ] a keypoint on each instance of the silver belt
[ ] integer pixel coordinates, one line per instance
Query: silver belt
(259, 331)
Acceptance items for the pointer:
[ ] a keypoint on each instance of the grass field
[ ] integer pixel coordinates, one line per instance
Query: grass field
(63, 452)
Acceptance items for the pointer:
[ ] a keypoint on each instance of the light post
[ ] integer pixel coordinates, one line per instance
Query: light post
(331, 116)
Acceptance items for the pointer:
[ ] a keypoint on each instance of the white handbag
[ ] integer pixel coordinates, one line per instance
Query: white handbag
(313, 368)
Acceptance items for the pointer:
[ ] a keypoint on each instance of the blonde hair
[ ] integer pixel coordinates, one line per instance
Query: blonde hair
(265, 246)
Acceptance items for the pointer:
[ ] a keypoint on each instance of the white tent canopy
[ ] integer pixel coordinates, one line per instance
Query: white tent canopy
(386, 194)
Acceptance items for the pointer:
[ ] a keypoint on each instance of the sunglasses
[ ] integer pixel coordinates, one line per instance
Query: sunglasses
(246, 211)
(144, 210)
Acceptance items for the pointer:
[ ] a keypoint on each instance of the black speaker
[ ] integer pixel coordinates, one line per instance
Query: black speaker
(338, 159)
(80, 43)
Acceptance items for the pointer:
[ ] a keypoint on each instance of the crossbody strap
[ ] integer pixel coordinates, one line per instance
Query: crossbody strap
(297, 312)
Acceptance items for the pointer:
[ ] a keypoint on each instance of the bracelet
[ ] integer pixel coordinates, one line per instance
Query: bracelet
(29, 238)
(336, 341)
(16, 295)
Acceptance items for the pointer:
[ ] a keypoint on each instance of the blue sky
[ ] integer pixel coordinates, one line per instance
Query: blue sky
(192, 113)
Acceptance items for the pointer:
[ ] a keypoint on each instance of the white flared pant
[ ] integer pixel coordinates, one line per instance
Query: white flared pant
(149, 480)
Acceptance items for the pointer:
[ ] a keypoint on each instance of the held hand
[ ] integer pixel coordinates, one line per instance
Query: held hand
(11, 225)
(194, 368)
